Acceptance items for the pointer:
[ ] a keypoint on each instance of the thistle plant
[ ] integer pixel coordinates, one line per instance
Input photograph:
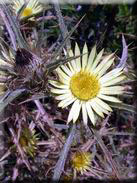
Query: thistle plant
(53, 93)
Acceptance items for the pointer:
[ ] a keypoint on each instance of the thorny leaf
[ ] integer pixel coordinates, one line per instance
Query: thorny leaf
(9, 97)
(124, 56)
(14, 26)
(123, 106)
(106, 152)
(20, 11)
(59, 49)
(52, 66)
(62, 25)
(63, 155)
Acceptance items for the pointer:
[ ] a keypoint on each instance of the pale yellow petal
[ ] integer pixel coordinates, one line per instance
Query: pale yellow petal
(104, 63)
(74, 111)
(58, 84)
(108, 78)
(84, 56)
(84, 113)
(64, 96)
(109, 98)
(103, 104)
(91, 58)
(115, 72)
(78, 60)
(100, 108)
(73, 62)
(114, 81)
(63, 80)
(59, 91)
(66, 70)
(90, 113)
(63, 74)
(71, 68)
(96, 108)
(97, 60)
(66, 102)
(105, 68)
(114, 90)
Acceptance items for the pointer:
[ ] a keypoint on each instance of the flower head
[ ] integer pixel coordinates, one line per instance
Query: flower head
(6, 60)
(28, 141)
(81, 161)
(33, 7)
(84, 83)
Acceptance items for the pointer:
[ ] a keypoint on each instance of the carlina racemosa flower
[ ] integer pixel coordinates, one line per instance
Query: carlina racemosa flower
(33, 7)
(81, 161)
(86, 83)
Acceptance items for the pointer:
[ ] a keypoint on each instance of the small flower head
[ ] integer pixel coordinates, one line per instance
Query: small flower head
(84, 83)
(28, 141)
(33, 7)
(6, 60)
(81, 161)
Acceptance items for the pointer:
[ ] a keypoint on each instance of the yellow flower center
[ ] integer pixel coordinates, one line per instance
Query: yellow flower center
(23, 141)
(84, 85)
(27, 12)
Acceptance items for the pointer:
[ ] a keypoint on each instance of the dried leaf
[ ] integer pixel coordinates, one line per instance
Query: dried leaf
(124, 56)
(123, 106)
(9, 97)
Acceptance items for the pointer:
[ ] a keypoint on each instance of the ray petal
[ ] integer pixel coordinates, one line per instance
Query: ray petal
(64, 96)
(91, 58)
(60, 91)
(78, 60)
(110, 77)
(58, 84)
(84, 56)
(71, 68)
(112, 73)
(73, 62)
(74, 111)
(103, 104)
(113, 90)
(63, 74)
(66, 102)
(102, 109)
(63, 80)
(90, 113)
(114, 81)
(66, 70)
(97, 60)
(84, 113)
(105, 64)
(105, 68)
(109, 98)
(96, 108)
